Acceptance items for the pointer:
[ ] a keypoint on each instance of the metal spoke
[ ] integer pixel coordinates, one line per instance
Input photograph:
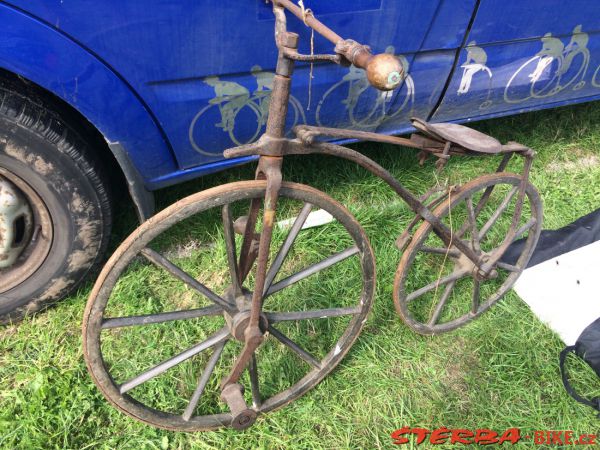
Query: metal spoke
(530, 223)
(253, 372)
(494, 218)
(117, 322)
(203, 381)
(482, 201)
(161, 261)
(453, 253)
(473, 222)
(440, 305)
(475, 297)
(287, 245)
(303, 354)
(177, 359)
(247, 252)
(230, 245)
(431, 286)
(327, 262)
(275, 317)
(508, 267)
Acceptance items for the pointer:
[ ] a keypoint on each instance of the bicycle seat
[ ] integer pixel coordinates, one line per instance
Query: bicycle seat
(460, 135)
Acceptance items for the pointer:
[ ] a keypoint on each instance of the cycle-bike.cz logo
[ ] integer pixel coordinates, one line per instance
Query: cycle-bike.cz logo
(484, 436)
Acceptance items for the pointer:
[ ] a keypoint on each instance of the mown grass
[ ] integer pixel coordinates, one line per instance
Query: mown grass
(498, 372)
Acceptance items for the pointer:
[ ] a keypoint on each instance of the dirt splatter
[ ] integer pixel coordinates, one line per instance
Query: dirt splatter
(56, 290)
(38, 163)
(81, 258)
(88, 231)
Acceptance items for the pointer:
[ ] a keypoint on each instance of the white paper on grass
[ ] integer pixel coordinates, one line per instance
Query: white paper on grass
(564, 292)
(314, 219)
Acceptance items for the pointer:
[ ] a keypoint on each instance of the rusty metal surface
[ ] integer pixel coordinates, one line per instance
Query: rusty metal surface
(463, 268)
(243, 310)
(462, 136)
(22, 260)
(16, 223)
(95, 320)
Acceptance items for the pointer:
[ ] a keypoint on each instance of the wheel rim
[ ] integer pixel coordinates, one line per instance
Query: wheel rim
(265, 397)
(436, 289)
(39, 238)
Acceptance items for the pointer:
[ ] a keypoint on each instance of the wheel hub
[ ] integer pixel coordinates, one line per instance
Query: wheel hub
(16, 222)
(26, 230)
(466, 265)
(239, 322)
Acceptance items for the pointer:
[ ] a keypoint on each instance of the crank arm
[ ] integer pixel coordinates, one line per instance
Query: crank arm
(253, 337)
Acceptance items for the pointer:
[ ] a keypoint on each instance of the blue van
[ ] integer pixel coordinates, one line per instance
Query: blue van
(152, 92)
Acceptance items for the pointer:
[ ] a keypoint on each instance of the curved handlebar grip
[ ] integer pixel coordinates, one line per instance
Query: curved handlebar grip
(384, 71)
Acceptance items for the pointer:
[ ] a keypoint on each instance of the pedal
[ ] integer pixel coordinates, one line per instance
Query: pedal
(243, 417)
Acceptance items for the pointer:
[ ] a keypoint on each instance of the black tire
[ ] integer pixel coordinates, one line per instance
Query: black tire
(56, 170)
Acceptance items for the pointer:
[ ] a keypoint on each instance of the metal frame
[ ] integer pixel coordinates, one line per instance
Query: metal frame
(273, 146)
(247, 322)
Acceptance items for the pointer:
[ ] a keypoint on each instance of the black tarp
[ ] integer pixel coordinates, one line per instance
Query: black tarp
(552, 243)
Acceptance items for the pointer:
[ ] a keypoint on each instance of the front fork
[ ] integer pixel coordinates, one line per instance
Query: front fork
(269, 169)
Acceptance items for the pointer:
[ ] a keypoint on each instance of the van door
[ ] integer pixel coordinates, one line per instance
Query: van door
(205, 68)
(528, 55)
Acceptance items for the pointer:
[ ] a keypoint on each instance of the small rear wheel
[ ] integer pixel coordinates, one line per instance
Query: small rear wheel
(166, 318)
(438, 289)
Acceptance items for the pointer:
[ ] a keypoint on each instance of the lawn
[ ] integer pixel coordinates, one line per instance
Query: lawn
(498, 372)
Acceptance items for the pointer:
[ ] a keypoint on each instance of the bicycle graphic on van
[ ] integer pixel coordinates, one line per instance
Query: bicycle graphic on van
(547, 72)
(234, 105)
(476, 62)
(364, 106)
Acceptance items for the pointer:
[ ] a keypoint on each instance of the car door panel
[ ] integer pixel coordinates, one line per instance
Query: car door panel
(205, 68)
(537, 54)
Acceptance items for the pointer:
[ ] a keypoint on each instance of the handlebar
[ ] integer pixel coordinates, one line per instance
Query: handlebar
(384, 71)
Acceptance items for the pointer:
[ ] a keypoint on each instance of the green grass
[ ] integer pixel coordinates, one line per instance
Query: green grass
(498, 372)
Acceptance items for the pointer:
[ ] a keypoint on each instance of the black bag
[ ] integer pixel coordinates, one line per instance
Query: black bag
(587, 348)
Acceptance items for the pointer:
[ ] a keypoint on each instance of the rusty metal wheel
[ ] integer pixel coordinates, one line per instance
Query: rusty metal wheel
(25, 230)
(164, 324)
(436, 289)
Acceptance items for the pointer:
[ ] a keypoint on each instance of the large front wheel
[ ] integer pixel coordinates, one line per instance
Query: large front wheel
(437, 288)
(166, 318)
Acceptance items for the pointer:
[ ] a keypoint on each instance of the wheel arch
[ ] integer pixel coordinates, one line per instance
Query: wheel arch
(42, 60)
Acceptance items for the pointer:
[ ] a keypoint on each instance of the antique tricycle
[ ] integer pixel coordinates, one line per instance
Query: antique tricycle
(244, 292)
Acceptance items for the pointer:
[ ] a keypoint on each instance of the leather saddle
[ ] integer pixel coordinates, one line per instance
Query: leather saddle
(465, 137)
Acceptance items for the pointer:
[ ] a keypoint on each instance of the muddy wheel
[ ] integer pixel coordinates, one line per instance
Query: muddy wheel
(55, 212)
(164, 324)
(436, 288)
